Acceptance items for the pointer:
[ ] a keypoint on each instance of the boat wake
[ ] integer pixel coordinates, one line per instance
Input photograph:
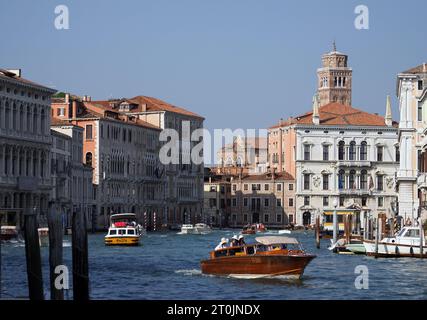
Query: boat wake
(189, 272)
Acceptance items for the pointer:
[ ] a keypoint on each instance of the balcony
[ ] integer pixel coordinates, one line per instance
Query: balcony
(422, 180)
(354, 163)
(355, 192)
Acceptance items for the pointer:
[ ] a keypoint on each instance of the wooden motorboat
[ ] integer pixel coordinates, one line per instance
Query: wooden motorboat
(406, 243)
(273, 256)
(254, 228)
(123, 230)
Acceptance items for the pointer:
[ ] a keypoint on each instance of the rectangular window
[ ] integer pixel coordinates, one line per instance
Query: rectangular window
(420, 84)
(245, 202)
(234, 187)
(291, 202)
(380, 202)
(380, 150)
(306, 182)
(89, 132)
(279, 218)
(266, 202)
(342, 200)
(325, 153)
(380, 183)
(266, 187)
(291, 218)
(420, 112)
(325, 201)
(364, 201)
(245, 218)
(279, 202)
(306, 152)
(245, 187)
(306, 200)
(291, 186)
(279, 187)
(325, 182)
(266, 218)
(234, 202)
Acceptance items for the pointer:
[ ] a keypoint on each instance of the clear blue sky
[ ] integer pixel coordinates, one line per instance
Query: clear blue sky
(239, 63)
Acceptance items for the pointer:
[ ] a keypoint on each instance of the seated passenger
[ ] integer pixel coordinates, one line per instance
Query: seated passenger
(222, 244)
(234, 241)
(241, 240)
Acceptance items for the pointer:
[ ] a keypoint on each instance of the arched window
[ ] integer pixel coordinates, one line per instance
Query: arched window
(363, 151)
(364, 180)
(352, 151)
(341, 181)
(89, 159)
(352, 180)
(341, 150)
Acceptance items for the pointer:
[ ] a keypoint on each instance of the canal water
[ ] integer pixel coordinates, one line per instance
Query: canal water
(167, 266)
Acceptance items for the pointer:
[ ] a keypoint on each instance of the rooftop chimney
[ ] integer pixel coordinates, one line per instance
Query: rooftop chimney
(17, 72)
(67, 98)
(388, 117)
(316, 117)
(74, 109)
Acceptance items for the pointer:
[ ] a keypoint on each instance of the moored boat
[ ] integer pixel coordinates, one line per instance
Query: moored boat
(272, 256)
(406, 243)
(43, 237)
(254, 228)
(8, 233)
(198, 228)
(123, 230)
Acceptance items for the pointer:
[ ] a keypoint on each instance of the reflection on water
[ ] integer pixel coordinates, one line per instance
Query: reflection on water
(167, 266)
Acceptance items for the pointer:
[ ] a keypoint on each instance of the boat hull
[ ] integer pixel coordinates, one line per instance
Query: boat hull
(391, 250)
(258, 266)
(122, 241)
(356, 248)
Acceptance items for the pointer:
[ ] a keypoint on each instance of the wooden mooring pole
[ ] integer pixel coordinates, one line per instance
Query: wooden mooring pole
(318, 232)
(32, 254)
(421, 238)
(80, 257)
(55, 252)
(377, 235)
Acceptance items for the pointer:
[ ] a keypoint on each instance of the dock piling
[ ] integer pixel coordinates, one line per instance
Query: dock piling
(317, 230)
(377, 236)
(55, 252)
(32, 255)
(80, 257)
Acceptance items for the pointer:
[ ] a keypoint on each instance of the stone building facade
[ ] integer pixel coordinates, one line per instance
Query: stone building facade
(123, 152)
(25, 143)
(217, 199)
(71, 178)
(412, 173)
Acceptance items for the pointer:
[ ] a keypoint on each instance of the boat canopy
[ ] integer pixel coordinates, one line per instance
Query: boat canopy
(119, 216)
(276, 240)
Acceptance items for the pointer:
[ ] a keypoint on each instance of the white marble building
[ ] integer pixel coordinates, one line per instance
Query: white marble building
(25, 142)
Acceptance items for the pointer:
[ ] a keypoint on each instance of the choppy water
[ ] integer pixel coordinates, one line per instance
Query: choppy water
(167, 266)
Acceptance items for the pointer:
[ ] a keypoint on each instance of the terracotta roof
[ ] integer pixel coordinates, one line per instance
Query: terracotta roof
(154, 104)
(60, 122)
(10, 75)
(419, 69)
(267, 176)
(336, 114)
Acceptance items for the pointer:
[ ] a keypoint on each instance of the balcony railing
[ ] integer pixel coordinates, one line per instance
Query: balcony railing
(354, 163)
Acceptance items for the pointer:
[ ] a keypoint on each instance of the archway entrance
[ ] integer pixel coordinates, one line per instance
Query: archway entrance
(306, 218)
(255, 217)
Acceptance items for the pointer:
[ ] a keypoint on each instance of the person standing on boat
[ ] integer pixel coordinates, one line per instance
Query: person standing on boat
(222, 244)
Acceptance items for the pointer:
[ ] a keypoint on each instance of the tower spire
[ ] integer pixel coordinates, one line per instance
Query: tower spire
(388, 116)
(334, 46)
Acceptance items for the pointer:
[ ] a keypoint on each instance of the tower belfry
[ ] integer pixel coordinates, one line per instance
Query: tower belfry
(334, 78)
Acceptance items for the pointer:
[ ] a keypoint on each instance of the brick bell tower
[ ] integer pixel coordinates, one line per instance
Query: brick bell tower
(334, 78)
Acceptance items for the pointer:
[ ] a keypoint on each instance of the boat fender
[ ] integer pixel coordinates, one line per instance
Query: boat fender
(411, 251)
(396, 250)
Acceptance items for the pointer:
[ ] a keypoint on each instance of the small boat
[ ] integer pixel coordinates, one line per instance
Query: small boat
(272, 256)
(202, 228)
(342, 247)
(356, 246)
(43, 237)
(254, 228)
(198, 228)
(406, 243)
(8, 233)
(123, 230)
